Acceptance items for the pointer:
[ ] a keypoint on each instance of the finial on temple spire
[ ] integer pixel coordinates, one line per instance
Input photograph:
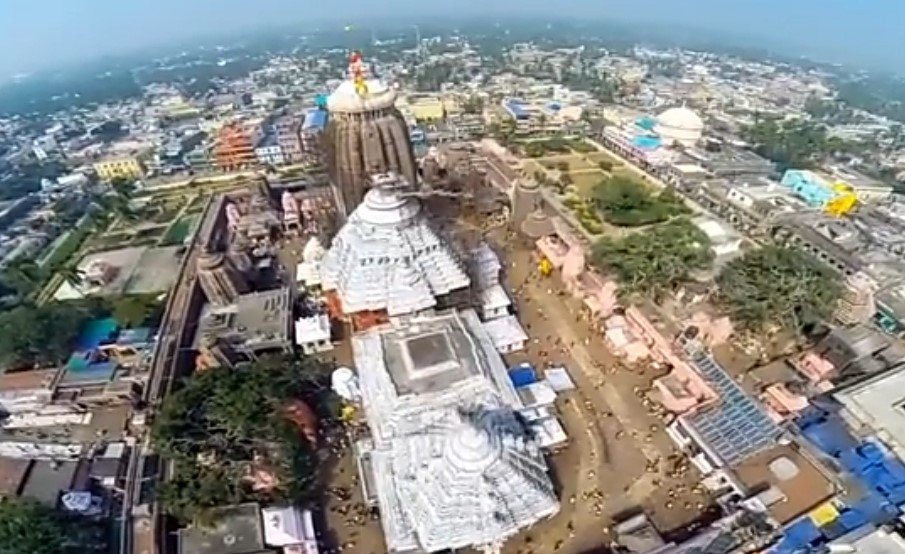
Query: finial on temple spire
(357, 73)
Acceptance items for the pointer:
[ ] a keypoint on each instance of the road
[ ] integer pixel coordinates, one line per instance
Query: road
(618, 459)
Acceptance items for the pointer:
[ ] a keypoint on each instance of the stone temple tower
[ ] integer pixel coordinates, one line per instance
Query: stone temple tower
(525, 200)
(366, 135)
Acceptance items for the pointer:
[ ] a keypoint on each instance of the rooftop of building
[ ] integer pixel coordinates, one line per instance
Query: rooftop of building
(440, 406)
(735, 427)
(259, 318)
(389, 257)
(236, 530)
(869, 540)
(28, 380)
(47, 479)
(792, 483)
(432, 355)
(877, 403)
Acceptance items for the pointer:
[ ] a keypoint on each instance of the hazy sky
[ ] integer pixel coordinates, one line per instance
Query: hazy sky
(37, 34)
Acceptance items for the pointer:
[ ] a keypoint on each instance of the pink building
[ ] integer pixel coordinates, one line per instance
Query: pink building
(781, 403)
(817, 369)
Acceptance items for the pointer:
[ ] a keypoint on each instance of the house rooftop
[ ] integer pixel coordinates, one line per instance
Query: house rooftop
(792, 480)
(236, 530)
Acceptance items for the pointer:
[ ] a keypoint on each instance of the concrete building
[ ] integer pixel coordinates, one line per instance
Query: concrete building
(256, 323)
(875, 406)
(448, 462)
(312, 129)
(312, 334)
(235, 147)
(269, 152)
(119, 167)
(288, 136)
(366, 135)
(220, 279)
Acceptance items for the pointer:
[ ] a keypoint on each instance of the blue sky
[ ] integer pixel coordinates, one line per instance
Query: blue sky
(38, 34)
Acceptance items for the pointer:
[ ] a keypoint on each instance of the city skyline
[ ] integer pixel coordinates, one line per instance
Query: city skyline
(837, 31)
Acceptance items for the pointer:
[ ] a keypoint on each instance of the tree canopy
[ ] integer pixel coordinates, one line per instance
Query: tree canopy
(627, 203)
(778, 286)
(27, 527)
(657, 260)
(793, 145)
(226, 423)
(134, 310)
(40, 335)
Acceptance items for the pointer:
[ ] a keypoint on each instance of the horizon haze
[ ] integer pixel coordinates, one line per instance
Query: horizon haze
(863, 34)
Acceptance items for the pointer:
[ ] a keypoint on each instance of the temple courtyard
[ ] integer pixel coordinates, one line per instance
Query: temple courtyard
(618, 460)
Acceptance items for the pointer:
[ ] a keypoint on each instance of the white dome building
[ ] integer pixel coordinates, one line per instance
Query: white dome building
(679, 125)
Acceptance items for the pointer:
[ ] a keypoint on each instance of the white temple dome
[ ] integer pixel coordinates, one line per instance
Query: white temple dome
(472, 449)
(388, 257)
(384, 207)
(346, 99)
(681, 125)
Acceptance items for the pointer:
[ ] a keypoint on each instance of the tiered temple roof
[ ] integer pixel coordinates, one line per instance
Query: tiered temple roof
(388, 258)
(453, 466)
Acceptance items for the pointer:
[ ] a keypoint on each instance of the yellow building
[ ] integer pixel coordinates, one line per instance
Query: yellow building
(427, 108)
(121, 167)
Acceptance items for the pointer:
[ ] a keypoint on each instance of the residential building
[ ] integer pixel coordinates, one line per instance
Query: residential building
(288, 135)
(234, 147)
(119, 167)
(311, 130)
(269, 152)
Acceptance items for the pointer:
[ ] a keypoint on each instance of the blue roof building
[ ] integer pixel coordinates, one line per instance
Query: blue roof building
(315, 120)
(516, 108)
(810, 187)
(875, 483)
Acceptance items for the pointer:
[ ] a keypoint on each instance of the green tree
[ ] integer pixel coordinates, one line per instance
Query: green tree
(225, 422)
(27, 527)
(628, 203)
(776, 286)
(795, 144)
(655, 261)
(473, 105)
(23, 276)
(134, 310)
(123, 188)
(39, 335)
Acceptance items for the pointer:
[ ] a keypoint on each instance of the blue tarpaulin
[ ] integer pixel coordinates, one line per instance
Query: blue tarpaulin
(522, 375)
(798, 537)
(881, 476)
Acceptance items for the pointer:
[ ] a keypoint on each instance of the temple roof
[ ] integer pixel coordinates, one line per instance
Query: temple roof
(387, 257)
(454, 467)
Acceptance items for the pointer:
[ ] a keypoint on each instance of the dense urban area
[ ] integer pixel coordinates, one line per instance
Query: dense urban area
(495, 289)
